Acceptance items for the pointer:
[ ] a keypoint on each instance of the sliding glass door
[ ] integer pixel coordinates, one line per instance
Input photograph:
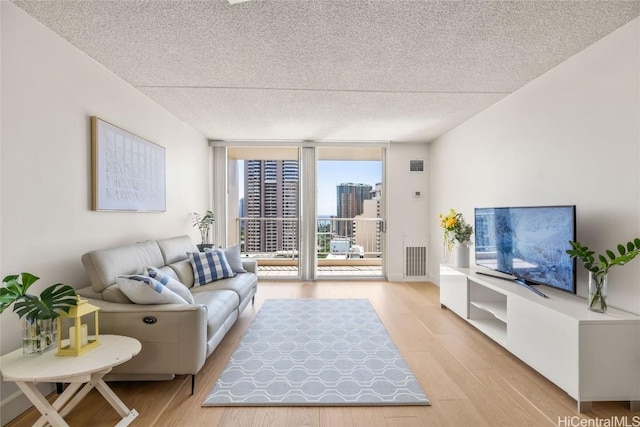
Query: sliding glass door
(350, 212)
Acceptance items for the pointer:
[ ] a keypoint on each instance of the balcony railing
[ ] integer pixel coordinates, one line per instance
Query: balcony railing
(337, 239)
(349, 238)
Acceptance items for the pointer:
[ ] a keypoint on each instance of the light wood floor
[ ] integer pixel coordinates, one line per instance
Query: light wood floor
(470, 380)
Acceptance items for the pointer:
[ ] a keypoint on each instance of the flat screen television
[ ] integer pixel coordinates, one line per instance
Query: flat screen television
(529, 243)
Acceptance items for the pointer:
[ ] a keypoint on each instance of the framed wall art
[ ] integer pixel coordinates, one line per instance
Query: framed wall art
(128, 172)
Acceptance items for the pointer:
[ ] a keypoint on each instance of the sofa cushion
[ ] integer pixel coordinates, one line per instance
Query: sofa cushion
(171, 283)
(104, 265)
(220, 304)
(113, 293)
(250, 265)
(110, 294)
(175, 249)
(242, 284)
(209, 266)
(183, 271)
(145, 290)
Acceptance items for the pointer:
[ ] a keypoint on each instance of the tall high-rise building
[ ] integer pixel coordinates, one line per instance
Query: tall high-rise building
(271, 191)
(350, 202)
(366, 226)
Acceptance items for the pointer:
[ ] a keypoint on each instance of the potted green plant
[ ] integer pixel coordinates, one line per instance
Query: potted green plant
(39, 313)
(599, 267)
(203, 224)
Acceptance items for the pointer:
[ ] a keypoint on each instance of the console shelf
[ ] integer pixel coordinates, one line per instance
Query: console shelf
(498, 309)
(591, 356)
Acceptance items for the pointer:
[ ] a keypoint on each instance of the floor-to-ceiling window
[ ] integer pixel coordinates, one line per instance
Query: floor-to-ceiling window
(263, 206)
(307, 212)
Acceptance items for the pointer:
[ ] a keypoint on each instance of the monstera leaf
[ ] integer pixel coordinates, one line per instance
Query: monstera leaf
(15, 287)
(52, 301)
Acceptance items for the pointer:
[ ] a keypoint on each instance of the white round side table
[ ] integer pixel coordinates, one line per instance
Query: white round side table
(83, 373)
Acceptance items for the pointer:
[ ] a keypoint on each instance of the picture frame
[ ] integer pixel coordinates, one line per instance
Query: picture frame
(128, 171)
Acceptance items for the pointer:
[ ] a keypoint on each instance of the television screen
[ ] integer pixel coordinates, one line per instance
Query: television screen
(529, 243)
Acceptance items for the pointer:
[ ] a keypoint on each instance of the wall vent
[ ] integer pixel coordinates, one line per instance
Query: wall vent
(416, 165)
(415, 261)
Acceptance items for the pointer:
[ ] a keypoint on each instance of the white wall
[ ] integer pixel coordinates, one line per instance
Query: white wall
(49, 91)
(407, 215)
(572, 136)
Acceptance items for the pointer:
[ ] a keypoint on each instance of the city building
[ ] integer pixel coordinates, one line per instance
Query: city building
(271, 197)
(367, 225)
(350, 203)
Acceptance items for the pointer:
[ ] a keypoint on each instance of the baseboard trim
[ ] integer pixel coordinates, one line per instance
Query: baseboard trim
(435, 280)
(401, 278)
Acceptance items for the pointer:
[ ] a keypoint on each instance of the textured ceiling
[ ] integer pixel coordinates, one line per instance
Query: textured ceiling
(329, 70)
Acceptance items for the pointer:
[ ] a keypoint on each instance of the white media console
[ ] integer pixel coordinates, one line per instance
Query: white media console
(591, 356)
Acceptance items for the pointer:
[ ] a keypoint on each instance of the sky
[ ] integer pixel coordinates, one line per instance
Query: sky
(334, 172)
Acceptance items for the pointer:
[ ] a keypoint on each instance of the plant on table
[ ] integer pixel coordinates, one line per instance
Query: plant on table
(52, 301)
(599, 266)
(203, 224)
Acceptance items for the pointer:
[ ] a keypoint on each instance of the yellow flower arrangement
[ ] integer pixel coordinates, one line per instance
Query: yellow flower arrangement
(455, 230)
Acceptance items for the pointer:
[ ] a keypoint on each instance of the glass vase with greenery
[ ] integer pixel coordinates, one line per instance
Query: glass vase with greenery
(38, 312)
(599, 265)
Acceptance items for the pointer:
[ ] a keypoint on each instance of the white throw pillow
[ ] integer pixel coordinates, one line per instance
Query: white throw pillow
(232, 253)
(145, 290)
(170, 283)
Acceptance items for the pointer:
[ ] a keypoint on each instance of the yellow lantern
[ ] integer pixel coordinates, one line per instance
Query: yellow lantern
(73, 329)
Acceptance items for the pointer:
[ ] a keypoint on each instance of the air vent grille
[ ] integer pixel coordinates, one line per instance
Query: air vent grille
(416, 165)
(415, 261)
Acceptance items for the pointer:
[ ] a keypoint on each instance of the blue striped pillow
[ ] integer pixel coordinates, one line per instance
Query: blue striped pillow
(209, 266)
(170, 283)
(145, 290)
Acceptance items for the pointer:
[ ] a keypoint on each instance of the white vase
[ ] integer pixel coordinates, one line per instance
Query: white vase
(462, 255)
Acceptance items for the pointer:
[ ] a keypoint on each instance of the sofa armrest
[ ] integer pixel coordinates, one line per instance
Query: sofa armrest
(250, 264)
(173, 336)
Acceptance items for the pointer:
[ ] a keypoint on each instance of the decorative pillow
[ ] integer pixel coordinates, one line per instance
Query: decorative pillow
(145, 290)
(171, 283)
(233, 258)
(209, 266)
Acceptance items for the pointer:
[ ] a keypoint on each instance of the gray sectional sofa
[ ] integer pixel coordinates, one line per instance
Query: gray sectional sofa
(176, 338)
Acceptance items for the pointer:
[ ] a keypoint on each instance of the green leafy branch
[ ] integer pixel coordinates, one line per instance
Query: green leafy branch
(52, 301)
(600, 264)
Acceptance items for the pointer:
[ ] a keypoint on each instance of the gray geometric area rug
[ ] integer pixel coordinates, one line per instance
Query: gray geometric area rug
(309, 352)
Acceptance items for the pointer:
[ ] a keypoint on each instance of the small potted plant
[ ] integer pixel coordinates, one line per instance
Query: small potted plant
(203, 224)
(599, 266)
(39, 313)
